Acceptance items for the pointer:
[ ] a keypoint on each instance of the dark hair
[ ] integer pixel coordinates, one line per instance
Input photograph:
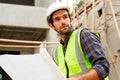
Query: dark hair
(50, 17)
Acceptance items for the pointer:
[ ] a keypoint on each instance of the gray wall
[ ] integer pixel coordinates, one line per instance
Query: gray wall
(22, 16)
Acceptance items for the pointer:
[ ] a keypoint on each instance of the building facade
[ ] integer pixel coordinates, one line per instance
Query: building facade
(23, 20)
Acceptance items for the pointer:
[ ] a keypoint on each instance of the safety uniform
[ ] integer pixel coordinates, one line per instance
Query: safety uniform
(73, 62)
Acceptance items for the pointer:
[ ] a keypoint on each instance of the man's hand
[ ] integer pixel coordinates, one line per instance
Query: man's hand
(91, 75)
(75, 78)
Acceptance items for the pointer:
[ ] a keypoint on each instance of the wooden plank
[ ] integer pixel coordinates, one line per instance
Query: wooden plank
(26, 42)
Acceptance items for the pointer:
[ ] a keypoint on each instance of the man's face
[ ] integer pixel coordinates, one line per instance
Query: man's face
(61, 22)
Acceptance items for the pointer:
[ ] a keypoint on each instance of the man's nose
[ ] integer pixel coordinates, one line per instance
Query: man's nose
(62, 21)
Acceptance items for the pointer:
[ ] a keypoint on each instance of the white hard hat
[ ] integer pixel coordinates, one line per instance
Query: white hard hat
(54, 7)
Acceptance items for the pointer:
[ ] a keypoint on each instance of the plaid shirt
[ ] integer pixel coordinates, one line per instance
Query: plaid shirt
(94, 51)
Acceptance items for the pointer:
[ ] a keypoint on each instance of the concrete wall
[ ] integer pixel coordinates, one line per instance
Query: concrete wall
(27, 16)
(22, 16)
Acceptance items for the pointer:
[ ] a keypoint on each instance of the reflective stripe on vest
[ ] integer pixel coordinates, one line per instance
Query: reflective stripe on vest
(86, 60)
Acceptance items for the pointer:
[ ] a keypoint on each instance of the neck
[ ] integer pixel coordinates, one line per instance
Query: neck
(62, 37)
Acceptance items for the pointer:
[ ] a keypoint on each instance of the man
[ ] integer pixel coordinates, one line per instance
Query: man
(79, 55)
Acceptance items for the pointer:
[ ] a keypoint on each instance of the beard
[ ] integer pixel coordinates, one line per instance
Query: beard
(64, 29)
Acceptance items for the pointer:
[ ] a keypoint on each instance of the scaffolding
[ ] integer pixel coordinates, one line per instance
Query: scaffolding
(105, 22)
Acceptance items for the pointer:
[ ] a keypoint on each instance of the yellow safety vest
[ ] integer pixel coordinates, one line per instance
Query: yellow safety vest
(70, 58)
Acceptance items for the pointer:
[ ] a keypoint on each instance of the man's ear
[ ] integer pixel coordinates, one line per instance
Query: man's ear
(51, 25)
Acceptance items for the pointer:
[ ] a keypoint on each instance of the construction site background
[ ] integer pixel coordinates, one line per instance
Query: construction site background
(23, 27)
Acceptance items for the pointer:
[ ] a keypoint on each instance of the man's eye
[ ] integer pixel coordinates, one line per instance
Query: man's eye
(56, 19)
(65, 16)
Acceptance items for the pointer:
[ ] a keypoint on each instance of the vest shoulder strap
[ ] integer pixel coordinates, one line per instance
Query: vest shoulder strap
(86, 60)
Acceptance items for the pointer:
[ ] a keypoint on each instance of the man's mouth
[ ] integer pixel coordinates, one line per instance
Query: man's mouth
(64, 28)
